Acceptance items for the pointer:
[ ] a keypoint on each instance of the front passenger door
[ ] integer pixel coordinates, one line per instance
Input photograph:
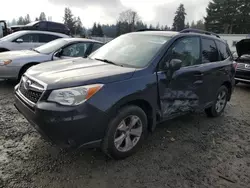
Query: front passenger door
(26, 42)
(80, 49)
(181, 90)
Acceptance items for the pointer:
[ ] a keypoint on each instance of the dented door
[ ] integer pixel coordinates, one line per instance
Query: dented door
(182, 90)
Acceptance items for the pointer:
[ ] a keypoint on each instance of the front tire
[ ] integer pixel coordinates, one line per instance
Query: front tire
(126, 132)
(219, 104)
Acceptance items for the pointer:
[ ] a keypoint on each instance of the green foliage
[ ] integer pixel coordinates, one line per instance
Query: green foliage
(228, 16)
(198, 25)
(69, 20)
(179, 19)
(97, 30)
(23, 20)
(42, 17)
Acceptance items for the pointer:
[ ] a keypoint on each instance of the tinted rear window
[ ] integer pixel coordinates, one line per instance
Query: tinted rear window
(223, 50)
(44, 38)
(209, 51)
(56, 26)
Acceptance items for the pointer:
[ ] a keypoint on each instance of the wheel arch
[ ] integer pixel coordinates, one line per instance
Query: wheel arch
(145, 106)
(4, 49)
(26, 66)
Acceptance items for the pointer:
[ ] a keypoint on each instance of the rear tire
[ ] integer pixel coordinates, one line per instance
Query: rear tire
(219, 104)
(236, 82)
(122, 138)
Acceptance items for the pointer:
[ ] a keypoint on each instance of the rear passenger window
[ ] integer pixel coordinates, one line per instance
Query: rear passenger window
(209, 51)
(223, 50)
(44, 38)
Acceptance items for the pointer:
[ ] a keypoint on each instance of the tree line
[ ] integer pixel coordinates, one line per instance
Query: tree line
(223, 16)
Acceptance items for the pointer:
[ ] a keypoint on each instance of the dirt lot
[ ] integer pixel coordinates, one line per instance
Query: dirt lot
(192, 151)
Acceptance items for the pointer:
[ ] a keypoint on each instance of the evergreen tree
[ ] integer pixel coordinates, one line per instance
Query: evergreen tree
(99, 31)
(187, 25)
(69, 20)
(20, 21)
(94, 30)
(179, 19)
(231, 16)
(26, 19)
(42, 17)
(78, 27)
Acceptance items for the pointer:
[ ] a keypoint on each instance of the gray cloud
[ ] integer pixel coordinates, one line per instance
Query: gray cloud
(112, 8)
(164, 14)
(195, 9)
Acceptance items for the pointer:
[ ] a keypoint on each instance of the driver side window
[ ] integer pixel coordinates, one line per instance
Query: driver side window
(187, 50)
(76, 50)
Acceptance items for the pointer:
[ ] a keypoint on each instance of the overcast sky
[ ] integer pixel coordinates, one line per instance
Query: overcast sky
(104, 11)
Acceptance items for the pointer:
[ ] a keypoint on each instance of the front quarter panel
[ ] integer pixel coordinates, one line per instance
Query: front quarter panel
(114, 95)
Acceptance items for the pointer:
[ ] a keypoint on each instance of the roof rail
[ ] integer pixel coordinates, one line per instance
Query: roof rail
(190, 30)
(139, 30)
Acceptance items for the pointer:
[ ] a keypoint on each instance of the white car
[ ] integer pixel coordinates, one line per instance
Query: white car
(25, 40)
(14, 64)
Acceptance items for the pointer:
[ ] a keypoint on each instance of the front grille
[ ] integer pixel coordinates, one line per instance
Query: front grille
(31, 93)
(242, 66)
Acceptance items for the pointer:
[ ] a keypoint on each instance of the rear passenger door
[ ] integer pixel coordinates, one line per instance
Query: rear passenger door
(182, 90)
(45, 38)
(213, 67)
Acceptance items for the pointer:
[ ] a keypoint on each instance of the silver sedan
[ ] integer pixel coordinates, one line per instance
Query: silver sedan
(13, 64)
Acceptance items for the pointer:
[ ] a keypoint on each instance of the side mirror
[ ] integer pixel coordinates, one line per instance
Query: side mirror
(58, 53)
(175, 64)
(19, 41)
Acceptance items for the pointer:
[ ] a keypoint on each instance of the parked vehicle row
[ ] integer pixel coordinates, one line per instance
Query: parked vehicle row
(15, 63)
(24, 40)
(243, 61)
(43, 26)
(119, 93)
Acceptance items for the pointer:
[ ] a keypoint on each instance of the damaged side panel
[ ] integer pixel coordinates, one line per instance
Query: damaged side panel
(178, 102)
(180, 92)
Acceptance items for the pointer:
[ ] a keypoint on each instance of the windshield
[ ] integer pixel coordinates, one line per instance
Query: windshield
(134, 50)
(51, 46)
(12, 36)
(32, 23)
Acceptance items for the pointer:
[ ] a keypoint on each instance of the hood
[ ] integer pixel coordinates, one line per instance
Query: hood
(18, 54)
(243, 47)
(78, 71)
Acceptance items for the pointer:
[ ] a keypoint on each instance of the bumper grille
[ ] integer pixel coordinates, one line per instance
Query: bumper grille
(30, 89)
(242, 66)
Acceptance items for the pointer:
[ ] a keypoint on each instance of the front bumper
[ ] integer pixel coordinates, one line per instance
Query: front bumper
(66, 127)
(242, 75)
(9, 72)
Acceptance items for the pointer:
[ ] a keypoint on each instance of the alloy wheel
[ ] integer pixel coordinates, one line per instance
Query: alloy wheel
(221, 101)
(128, 133)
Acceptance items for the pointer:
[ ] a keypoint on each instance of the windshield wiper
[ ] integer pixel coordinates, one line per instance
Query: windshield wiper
(108, 61)
(35, 50)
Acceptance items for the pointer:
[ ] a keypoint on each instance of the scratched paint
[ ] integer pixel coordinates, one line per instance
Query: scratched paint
(178, 101)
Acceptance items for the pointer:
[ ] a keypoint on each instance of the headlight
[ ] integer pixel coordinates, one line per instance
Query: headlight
(5, 62)
(75, 95)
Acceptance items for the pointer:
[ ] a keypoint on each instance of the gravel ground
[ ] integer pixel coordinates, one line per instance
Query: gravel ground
(191, 151)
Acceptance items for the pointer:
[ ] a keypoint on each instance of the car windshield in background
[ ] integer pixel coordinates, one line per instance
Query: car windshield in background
(32, 23)
(51, 46)
(134, 50)
(11, 37)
